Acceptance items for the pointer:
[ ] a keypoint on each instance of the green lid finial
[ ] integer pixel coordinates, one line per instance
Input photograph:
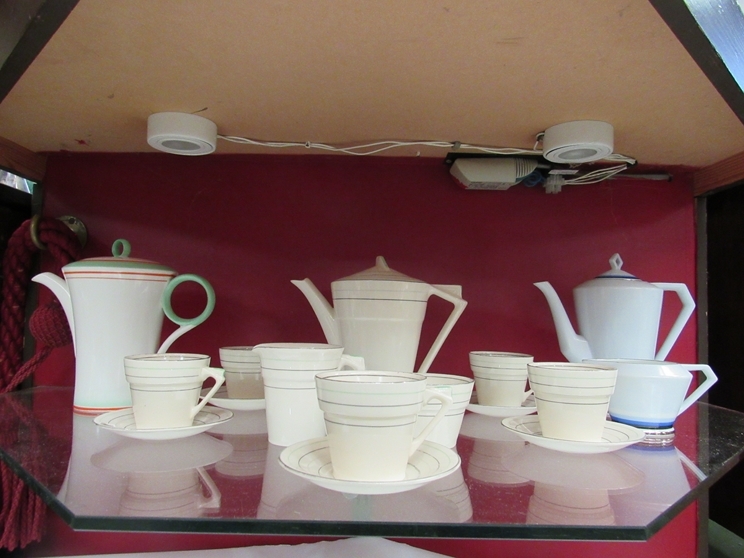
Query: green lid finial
(121, 248)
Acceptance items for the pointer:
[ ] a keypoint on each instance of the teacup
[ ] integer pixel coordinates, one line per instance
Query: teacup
(500, 378)
(165, 388)
(288, 370)
(242, 372)
(572, 399)
(459, 388)
(370, 418)
(651, 394)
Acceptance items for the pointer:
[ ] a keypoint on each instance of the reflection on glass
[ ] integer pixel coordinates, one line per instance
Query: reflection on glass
(15, 181)
(665, 482)
(88, 489)
(722, 23)
(573, 489)
(287, 496)
(166, 479)
(492, 443)
(278, 484)
(169, 494)
(554, 505)
(246, 433)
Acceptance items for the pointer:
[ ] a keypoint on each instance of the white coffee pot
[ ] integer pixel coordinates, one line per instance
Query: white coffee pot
(618, 316)
(115, 307)
(378, 314)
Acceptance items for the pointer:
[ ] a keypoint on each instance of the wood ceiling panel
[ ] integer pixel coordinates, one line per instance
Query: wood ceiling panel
(485, 72)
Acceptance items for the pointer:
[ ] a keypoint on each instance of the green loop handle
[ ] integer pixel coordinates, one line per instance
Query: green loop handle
(121, 248)
(168, 308)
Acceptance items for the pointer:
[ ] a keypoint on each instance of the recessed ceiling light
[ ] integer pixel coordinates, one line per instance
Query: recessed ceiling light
(578, 142)
(181, 133)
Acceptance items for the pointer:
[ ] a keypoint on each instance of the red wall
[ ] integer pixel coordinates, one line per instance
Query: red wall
(249, 224)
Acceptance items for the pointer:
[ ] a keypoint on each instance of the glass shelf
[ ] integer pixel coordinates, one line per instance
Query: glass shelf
(229, 481)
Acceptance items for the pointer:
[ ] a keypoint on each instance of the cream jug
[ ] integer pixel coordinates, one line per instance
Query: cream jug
(651, 394)
(378, 314)
(288, 371)
(618, 316)
(115, 306)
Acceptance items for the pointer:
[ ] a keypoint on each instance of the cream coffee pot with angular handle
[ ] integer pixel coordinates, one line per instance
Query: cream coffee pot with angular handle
(618, 316)
(115, 307)
(378, 314)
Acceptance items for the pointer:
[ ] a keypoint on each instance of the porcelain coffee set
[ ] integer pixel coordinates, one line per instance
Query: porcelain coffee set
(352, 413)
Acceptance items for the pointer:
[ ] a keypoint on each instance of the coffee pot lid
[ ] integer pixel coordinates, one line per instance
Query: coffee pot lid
(616, 262)
(380, 272)
(119, 260)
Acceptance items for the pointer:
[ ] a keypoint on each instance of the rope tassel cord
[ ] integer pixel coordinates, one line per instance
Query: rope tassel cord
(21, 510)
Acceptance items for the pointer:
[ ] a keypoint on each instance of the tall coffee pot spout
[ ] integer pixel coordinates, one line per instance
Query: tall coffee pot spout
(59, 288)
(323, 310)
(573, 346)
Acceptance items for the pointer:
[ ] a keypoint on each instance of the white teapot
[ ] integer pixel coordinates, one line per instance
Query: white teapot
(378, 314)
(115, 306)
(618, 316)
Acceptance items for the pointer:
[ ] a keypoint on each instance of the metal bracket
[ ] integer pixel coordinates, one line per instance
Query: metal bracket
(73, 223)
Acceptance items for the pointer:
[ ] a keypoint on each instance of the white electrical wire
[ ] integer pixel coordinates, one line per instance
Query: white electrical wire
(373, 148)
(597, 175)
(377, 147)
(622, 158)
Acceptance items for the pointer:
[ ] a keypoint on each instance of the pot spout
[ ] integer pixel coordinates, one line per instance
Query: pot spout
(59, 288)
(323, 310)
(573, 346)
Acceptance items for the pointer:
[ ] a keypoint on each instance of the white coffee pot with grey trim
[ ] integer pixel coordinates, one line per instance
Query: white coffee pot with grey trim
(618, 316)
(378, 314)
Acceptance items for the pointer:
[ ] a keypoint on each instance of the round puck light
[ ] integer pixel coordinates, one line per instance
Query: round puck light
(181, 133)
(578, 142)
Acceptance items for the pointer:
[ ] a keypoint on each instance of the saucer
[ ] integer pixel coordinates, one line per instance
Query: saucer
(221, 399)
(311, 460)
(614, 437)
(528, 407)
(122, 423)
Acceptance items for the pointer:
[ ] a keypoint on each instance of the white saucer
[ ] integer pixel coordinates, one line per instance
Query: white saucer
(221, 399)
(122, 423)
(528, 407)
(614, 437)
(311, 460)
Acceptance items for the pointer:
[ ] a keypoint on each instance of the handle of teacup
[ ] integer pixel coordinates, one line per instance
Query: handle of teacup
(710, 379)
(446, 401)
(352, 362)
(186, 324)
(219, 378)
(526, 395)
(688, 306)
(215, 496)
(453, 294)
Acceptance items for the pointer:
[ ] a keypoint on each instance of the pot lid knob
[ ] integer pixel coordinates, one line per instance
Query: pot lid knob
(120, 251)
(615, 272)
(121, 248)
(380, 272)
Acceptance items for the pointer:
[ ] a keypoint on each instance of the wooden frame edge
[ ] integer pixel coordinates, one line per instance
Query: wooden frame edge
(40, 26)
(21, 161)
(718, 175)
